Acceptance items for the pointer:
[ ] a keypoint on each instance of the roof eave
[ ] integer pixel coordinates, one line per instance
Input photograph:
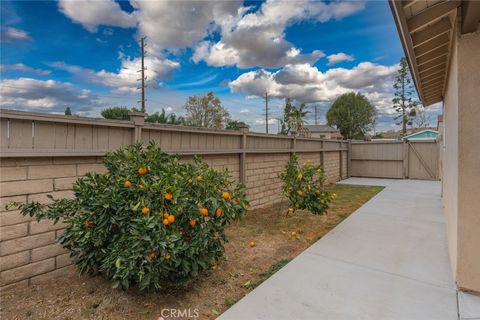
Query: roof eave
(401, 24)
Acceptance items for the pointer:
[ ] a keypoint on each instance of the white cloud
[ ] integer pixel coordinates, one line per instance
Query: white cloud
(306, 83)
(125, 80)
(183, 23)
(203, 79)
(48, 95)
(9, 34)
(244, 111)
(364, 75)
(262, 121)
(258, 38)
(23, 68)
(339, 57)
(247, 38)
(92, 13)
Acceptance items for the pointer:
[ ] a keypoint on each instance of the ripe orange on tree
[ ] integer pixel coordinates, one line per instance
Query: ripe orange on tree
(226, 195)
(168, 196)
(192, 222)
(199, 178)
(204, 211)
(165, 222)
(252, 244)
(152, 255)
(171, 218)
(127, 184)
(219, 212)
(142, 171)
(145, 210)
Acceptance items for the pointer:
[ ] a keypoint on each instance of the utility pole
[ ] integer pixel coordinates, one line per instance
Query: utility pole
(266, 111)
(316, 112)
(142, 70)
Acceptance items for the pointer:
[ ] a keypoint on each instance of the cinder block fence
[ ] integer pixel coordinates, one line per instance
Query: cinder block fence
(44, 154)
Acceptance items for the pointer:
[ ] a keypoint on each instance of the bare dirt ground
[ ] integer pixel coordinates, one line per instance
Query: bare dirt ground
(244, 267)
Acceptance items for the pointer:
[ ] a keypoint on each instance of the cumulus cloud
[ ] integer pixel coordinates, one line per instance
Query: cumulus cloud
(183, 23)
(246, 38)
(92, 13)
(339, 57)
(125, 80)
(306, 83)
(48, 95)
(258, 38)
(10, 34)
(23, 68)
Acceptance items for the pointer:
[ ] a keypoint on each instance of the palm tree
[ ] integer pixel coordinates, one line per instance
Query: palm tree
(297, 117)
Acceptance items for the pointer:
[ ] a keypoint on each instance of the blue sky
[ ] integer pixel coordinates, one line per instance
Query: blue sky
(84, 54)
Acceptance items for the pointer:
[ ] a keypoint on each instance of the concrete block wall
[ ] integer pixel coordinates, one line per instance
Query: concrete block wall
(28, 251)
(230, 162)
(262, 182)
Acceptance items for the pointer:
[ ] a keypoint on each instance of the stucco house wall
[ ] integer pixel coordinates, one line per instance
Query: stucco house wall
(450, 157)
(468, 266)
(461, 160)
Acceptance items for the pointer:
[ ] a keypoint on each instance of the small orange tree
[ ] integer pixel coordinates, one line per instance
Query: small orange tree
(149, 220)
(303, 187)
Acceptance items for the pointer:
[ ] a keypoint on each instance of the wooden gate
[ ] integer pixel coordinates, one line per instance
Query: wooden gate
(395, 159)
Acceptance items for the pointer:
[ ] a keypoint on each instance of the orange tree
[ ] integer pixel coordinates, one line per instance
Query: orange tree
(149, 220)
(303, 187)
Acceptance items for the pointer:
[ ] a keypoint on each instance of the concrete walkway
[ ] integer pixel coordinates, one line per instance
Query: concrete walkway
(388, 260)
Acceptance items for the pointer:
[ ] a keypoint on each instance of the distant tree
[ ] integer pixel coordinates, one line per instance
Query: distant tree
(162, 117)
(236, 125)
(293, 117)
(206, 111)
(297, 117)
(403, 102)
(374, 125)
(116, 113)
(287, 114)
(157, 117)
(422, 118)
(352, 114)
(68, 111)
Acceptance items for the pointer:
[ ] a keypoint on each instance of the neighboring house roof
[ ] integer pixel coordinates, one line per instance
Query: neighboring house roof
(398, 134)
(319, 128)
(425, 134)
